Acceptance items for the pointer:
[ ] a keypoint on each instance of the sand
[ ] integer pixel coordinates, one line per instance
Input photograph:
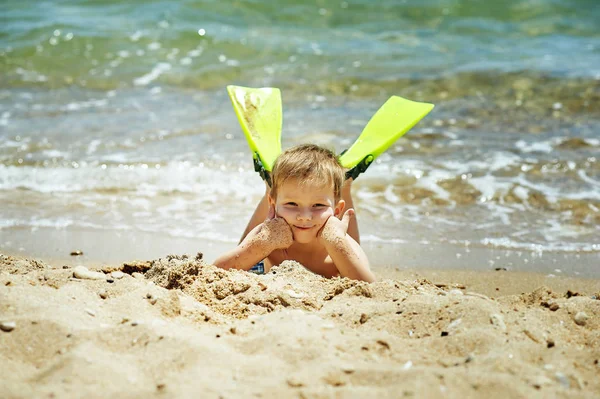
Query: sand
(178, 327)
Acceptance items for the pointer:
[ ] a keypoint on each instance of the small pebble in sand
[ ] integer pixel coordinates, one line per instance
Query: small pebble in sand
(563, 380)
(82, 272)
(294, 294)
(363, 318)
(498, 321)
(76, 253)
(328, 326)
(539, 381)
(348, 369)
(90, 312)
(294, 382)
(117, 275)
(103, 294)
(454, 324)
(7, 326)
(581, 318)
(532, 336)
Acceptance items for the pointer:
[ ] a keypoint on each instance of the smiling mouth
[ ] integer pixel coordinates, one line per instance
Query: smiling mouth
(303, 228)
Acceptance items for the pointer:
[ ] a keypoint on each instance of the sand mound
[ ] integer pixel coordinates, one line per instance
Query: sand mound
(177, 326)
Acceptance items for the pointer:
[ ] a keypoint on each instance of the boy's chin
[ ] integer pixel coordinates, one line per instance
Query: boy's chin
(304, 238)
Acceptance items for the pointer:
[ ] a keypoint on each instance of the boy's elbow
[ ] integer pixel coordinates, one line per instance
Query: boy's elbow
(360, 275)
(220, 264)
(224, 262)
(368, 277)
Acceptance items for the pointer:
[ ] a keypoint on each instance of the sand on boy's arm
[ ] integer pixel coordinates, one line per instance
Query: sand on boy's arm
(184, 327)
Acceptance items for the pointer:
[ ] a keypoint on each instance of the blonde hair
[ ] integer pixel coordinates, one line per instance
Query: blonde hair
(308, 163)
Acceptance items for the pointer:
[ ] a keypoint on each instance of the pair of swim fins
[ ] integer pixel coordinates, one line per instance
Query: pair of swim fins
(259, 112)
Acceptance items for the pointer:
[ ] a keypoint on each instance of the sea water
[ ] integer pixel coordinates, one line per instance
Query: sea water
(116, 131)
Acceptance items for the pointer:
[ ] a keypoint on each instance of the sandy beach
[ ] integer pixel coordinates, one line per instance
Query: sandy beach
(178, 327)
(118, 141)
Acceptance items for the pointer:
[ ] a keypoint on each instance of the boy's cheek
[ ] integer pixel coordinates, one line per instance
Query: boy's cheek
(327, 214)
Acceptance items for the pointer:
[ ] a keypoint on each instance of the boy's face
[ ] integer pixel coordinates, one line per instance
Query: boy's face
(306, 208)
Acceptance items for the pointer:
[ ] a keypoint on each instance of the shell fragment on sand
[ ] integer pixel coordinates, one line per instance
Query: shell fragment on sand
(7, 326)
(82, 272)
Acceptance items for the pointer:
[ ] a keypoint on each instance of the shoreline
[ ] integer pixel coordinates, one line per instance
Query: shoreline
(109, 248)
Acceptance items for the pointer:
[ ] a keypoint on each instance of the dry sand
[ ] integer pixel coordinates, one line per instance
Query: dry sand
(177, 327)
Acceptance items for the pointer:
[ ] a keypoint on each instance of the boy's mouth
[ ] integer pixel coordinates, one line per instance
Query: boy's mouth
(303, 227)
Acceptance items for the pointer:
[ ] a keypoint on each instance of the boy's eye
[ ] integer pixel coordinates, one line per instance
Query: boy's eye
(319, 205)
(291, 204)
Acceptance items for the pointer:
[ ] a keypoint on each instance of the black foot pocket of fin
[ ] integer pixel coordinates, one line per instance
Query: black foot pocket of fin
(360, 167)
(258, 167)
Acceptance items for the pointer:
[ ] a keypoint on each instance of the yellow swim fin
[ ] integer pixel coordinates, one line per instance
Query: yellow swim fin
(260, 116)
(396, 117)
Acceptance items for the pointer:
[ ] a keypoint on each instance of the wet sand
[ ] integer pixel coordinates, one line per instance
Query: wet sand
(178, 327)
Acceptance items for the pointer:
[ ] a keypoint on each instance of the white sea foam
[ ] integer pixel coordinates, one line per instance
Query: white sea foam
(538, 146)
(93, 146)
(508, 243)
(489, 185)
(430, 182)
(581, 173)
(4, 118)
(76, 106)
(158, 70)
(374, 238)
(521, 192)
(55, 154)
(498, 160)
(390, 196)
(177, 177)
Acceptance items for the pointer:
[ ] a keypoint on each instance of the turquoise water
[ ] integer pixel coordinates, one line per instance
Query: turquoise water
(114, 118)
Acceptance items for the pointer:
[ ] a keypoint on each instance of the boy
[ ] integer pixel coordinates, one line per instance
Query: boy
(304, 220)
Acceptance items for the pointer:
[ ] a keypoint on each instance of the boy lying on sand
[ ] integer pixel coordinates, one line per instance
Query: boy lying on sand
(303, 219)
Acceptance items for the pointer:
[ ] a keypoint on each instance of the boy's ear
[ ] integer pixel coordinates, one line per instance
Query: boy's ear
(339, 208)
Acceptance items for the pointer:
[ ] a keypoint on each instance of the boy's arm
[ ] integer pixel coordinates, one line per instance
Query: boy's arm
(259, 215)
(346, 254)
(347, 197)
(248, 253)
(274, 233)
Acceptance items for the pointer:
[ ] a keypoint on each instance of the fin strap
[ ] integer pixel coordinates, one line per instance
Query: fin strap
(360, 167)
(258, 167)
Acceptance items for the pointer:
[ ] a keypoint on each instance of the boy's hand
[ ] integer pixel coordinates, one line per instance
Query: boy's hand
(275, 231)
(335, 228)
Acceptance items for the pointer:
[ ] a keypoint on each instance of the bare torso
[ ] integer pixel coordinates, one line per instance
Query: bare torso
(314, 258)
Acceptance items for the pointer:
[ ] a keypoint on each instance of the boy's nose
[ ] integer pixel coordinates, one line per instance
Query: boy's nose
(304, 215)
